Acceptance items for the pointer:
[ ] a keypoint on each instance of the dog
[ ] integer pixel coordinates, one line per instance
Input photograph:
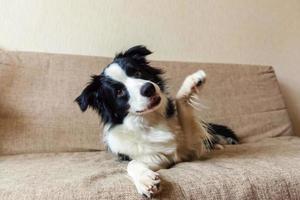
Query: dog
(143, 125)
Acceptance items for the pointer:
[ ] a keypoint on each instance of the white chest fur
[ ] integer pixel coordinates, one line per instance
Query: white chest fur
(136, 136)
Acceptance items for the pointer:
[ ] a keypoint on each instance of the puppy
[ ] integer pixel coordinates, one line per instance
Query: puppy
(145, 126)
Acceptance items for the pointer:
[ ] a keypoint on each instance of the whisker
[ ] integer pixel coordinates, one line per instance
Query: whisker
(196, 108)
(195, 102)
(195, 97)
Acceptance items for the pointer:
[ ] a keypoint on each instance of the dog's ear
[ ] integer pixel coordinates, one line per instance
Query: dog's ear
(138, 52)
(88, 97)
(82, 101)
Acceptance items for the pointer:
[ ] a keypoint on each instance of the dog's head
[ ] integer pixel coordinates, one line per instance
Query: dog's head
(127, 85)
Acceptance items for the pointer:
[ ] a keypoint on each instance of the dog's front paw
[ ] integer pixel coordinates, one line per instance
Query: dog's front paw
(191, 83)
(198, 78)
(148, 183)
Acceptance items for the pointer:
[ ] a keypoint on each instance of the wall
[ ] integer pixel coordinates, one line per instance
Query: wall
(230, 31)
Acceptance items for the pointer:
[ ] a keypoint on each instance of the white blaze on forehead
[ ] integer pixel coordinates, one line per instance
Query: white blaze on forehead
(114, 71)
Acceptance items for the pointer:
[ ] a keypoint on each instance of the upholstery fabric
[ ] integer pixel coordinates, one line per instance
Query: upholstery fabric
(268, 169)
(38, 113)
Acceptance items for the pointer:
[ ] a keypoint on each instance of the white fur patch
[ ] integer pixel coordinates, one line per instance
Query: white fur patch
(115, 72)
(135, 137)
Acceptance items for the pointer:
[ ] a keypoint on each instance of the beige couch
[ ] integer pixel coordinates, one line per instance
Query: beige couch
(50, 150)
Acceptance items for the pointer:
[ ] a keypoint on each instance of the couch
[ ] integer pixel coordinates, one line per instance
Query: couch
(50, 150)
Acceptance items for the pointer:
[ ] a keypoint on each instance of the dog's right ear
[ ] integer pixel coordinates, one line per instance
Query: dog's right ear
(89, 94)
(82, 101)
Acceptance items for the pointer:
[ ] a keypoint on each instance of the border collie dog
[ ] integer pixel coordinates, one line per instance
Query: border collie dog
(145, 126)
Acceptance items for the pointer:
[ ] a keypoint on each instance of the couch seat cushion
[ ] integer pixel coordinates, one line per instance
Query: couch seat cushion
(269, 169)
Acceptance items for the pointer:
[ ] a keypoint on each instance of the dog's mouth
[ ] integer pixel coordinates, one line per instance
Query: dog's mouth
(154, 103)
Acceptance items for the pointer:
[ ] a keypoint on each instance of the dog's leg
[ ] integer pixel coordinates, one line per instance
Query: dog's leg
(143, 169)
(194, 132)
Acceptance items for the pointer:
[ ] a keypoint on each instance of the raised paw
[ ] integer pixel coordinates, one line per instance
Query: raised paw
(198, 78)
(148, 183)
(191, 84)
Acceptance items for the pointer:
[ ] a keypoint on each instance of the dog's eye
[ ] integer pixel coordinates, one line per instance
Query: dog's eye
(120, 92)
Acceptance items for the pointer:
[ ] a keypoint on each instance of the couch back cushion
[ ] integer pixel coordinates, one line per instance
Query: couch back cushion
(38, 113)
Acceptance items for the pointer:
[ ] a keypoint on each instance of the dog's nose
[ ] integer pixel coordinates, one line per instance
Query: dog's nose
(148, 90)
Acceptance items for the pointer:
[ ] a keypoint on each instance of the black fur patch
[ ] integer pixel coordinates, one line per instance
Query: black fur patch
(220, 132)
(99, 94)
(123, 157)
(170, 109)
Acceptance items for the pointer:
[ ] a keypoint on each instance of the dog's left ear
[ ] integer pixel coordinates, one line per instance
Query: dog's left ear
(137, 52)
(88, 97)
